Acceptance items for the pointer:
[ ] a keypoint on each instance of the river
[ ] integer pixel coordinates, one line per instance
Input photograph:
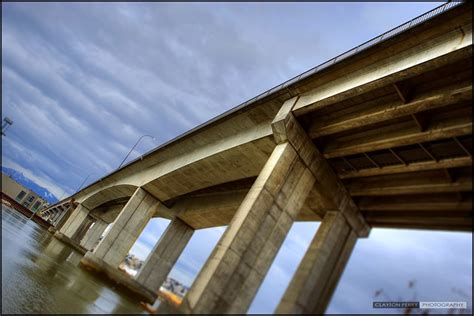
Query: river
(42, 275)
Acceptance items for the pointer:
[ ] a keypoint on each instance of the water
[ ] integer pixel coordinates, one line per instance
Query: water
(42, 275)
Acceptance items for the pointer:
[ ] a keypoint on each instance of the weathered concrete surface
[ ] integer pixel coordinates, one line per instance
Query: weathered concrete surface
(83, 229)
(125, 283)
(327, 187)
(232, 275)
(109, 194)
(126, 228)
(314, 281)
(164, 255)
(93, 234)
(68, 241)
(75, 221)
(379, 69)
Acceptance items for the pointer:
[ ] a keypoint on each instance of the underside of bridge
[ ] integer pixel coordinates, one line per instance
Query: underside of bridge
(401, 144)
(403, 149)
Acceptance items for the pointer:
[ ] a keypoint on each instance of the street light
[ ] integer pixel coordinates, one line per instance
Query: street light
(134, 148)
(64, 191)
(84, 181)
(6, 124)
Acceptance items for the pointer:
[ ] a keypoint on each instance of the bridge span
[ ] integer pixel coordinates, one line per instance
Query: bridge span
(380, 136)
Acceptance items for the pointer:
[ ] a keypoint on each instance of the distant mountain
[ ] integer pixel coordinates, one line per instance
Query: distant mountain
(21, 179)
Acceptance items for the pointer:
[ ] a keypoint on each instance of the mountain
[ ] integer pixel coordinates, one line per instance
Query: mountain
(21, 179)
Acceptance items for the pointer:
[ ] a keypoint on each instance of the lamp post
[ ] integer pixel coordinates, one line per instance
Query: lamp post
(134, 148)
(7, 122)
(64, 191)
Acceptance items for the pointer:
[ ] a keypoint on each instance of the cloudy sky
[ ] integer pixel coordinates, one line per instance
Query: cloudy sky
(82, 82)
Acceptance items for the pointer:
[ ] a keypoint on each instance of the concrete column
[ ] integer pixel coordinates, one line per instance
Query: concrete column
(82, 230)
(165, 254)
(75, 221)
(53, 216)
(50, 218)
(66, 215)
(237, 266)
(93, 234)
(60, 215)
(57, 216)
(312, 286)
(126, 228)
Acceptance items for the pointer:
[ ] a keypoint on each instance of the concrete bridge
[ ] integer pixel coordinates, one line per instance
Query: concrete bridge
(380, 136)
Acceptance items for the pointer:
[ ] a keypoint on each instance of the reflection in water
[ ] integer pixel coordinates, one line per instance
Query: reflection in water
(42, 275)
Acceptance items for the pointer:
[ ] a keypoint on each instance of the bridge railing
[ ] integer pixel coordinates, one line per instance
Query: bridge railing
(285, 85)
(385, 36)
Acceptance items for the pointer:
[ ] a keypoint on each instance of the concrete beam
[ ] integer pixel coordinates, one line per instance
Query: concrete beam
(463, 185)
(419, 203)
(407, 63)
(401, 137)
(462, 223)
(318, 273)
(233, 273)
(394, 110)
(210, 210)
(164, 255)
(411, 167)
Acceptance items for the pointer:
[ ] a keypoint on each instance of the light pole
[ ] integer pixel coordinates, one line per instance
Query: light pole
(84, 181)
(7, 122)
(64, 191)
(134, 148)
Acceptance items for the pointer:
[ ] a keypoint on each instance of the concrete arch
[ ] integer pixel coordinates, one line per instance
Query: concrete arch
(108, 194)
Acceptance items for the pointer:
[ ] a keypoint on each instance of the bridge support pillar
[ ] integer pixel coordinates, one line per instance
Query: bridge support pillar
(233, 273)
(93, 234)
(66, 214)
(313, 284)
(54, 218)
(75, 221)
(126, 228)
(165, 254)
(82, 230)
(111, 251)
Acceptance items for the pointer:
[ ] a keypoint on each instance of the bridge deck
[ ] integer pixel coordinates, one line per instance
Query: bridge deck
(394, 121)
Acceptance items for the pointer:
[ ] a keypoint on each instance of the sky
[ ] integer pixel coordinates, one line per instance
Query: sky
(83, 82)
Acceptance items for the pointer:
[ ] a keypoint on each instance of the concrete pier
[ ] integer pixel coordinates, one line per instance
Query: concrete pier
(74, 222)
(111, 251)
(93, 234)
(126, 228)
(232, 275)
(164, 255)
(314, 281)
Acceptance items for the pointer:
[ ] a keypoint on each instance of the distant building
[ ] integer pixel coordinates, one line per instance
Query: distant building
(22, 195)
(175, 287)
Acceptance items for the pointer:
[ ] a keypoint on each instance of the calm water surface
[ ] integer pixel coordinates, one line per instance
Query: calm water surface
(42, 275)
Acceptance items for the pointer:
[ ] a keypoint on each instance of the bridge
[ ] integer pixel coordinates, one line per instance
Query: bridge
(380, 136)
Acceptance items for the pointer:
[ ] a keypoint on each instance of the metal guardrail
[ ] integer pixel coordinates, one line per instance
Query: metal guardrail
(285, 85)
